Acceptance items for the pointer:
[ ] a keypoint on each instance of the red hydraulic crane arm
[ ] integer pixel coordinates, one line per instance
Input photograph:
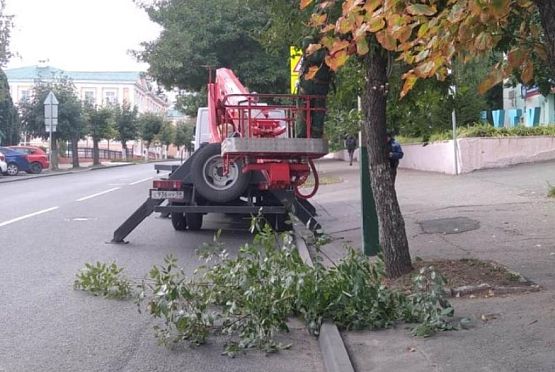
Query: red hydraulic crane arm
(226, 84)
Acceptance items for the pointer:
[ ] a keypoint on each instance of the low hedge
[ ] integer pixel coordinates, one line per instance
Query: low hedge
(485, 130)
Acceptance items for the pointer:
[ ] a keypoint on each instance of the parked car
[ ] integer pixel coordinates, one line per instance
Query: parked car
(38, 159)
(16, 161)
(3, 164)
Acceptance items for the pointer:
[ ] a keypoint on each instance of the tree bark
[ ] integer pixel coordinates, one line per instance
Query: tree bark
(124, 146)
(96, 157)
(54, 152)
(393, 238)
(75, 152)
(547, 15)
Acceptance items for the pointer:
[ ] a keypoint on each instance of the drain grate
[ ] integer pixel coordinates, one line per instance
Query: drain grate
(455, 225)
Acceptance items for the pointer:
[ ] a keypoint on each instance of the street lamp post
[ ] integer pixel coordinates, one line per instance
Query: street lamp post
(452, 93)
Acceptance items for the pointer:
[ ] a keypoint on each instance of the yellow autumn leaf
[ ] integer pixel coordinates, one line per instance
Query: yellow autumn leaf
(313, 48)
(410, 80)
(528, 71)
(500, 8)
(403, 33)
(311, 72)
(423, 30)
(305, 3)
(425, 70)
(494, 77)
(336, 60)
(318, 19)
(326, 4)
(372, 5)
(516, 57)
(327, 28)
(386, 40)
(376, 23)
(327, 41)
(345, 24)
(362, 47)
(525, 3)
(421, 9)
(339, 45)
(422, 55)
(361, 32)
(351, 5)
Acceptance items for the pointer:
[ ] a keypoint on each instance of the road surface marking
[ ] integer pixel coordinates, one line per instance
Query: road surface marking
(27, 216)
(97, 194)
(139, 181)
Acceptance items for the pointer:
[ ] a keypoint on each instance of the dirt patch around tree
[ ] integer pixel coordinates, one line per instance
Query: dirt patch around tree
(471, 278)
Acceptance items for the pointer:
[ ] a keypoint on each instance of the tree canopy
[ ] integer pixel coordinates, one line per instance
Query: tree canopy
(10, 131)
(429, 34)
(150, 125)
(126, 124)
(6, 24)
(216, 33)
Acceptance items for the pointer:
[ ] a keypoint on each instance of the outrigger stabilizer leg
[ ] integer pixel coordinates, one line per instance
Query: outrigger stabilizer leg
(301, 208)
(135, 219)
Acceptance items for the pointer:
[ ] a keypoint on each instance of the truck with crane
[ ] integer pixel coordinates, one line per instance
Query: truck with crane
(248, 159)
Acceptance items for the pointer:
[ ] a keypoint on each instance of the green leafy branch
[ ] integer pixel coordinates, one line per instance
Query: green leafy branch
(249, 298)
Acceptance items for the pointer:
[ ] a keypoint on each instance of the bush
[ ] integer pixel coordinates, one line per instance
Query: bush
(484, 130)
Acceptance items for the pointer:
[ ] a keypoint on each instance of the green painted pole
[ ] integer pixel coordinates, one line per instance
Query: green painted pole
(369, 223)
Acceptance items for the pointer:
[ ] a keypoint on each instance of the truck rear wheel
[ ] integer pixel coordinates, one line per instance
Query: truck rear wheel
(179, 222)
(194, 221)
(209, 178)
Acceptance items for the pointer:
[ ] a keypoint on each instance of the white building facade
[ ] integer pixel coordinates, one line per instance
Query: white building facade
(527, 106)
(98, 88)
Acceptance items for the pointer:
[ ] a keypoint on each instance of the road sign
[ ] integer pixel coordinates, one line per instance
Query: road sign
(295, 60)
(51, 112)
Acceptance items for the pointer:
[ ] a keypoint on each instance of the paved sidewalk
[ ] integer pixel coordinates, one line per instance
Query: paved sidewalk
(515, 229)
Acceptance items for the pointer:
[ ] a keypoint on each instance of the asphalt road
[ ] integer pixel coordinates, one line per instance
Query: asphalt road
(51, 226)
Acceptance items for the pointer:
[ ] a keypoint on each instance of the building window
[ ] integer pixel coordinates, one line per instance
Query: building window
(89, 97)
(110, 97)
(24, 95)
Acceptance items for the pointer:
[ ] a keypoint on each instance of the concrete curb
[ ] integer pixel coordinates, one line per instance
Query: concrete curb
(468, 290)
(332, 347)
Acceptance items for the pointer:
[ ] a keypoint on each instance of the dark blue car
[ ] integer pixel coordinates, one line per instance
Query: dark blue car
(17, 161)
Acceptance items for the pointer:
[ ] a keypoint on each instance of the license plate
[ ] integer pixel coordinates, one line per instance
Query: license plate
(167, 194)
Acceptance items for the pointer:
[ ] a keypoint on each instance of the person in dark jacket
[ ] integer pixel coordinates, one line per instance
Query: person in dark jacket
(351, 145)
(395, 152)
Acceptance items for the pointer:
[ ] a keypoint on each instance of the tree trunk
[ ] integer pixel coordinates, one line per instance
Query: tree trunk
(124, 147)
(547, 15)
(75, 152)
(54, 152)
(96, 157)
(393, 238)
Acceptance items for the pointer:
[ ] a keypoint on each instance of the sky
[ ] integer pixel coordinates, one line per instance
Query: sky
(79, 35)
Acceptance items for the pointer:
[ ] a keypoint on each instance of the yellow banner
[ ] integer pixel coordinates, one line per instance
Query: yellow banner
(295, 60)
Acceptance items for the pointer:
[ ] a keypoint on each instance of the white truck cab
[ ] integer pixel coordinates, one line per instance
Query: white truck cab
(202, 129)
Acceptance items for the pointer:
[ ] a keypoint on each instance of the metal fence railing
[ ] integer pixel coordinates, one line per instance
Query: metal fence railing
(87, 153)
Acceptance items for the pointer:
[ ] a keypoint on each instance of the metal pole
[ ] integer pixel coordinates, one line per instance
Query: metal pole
(369, 221)
(454, 121)
(51, 142)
